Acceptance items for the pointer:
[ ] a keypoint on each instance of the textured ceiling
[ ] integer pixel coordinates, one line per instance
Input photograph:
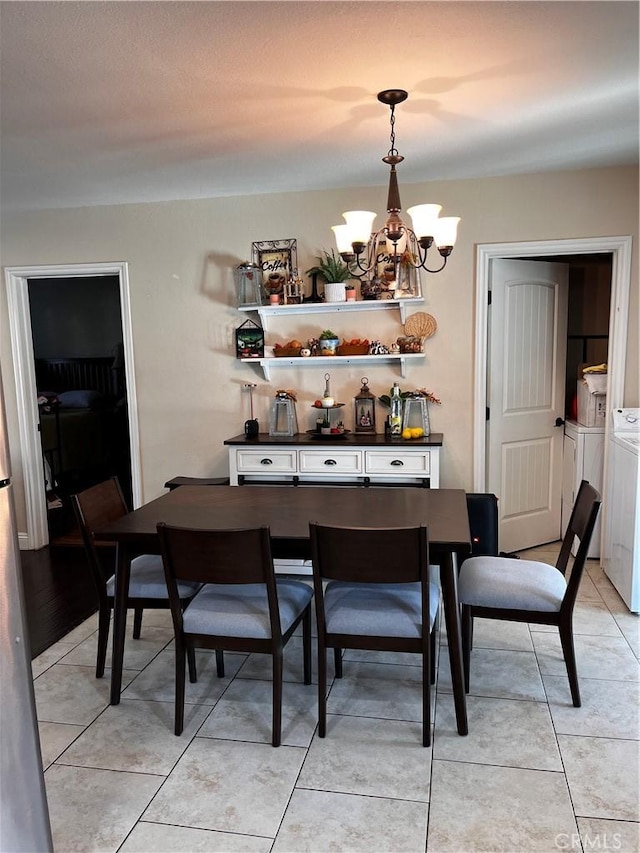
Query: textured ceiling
(103, 103)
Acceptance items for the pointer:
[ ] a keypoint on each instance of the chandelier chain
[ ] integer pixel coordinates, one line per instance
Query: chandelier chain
(393, 151)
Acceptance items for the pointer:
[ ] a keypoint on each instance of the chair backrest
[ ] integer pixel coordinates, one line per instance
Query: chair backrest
(370, 555)
(97, 507)
(483, 524)
(364, 555)
(218, 557)
(581, 524)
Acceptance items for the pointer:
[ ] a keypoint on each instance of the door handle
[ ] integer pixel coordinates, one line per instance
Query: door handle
(559, 422)
(330, 462)
(397, 462)
(266, 461)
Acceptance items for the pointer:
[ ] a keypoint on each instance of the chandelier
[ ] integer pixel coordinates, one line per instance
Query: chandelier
(409, 245)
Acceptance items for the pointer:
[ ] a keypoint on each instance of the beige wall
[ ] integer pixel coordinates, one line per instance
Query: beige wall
(181, 255)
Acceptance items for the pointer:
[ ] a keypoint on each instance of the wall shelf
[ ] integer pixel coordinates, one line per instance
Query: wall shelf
(267, 311)
(268, 364)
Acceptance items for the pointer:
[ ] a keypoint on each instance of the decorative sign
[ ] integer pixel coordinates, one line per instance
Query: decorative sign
(249, 340)
(278, 260)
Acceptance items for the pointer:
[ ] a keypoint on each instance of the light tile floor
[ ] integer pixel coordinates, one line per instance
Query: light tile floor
(534, 773)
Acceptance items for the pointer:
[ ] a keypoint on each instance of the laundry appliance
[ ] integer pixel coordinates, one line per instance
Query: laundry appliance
(622, 562)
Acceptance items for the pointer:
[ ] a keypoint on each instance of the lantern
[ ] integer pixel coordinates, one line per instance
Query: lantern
(365, 409)
(248, 278)
(416, 416)
(283, 419)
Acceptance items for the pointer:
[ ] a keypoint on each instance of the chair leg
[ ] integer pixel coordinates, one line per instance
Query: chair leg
(337, 662)
(467, 629)
(277, 698)
(566, 640)
(322, 689)
(104, 619)
(137, 623)
(191, 660)
(220, 663)
(180, 675)
(306, 644)
(426, 694)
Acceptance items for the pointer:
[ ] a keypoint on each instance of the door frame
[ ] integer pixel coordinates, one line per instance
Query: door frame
(17, 284)
(620, 249)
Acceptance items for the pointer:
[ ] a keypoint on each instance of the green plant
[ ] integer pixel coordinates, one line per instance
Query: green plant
(331, 267)
(328, 335)
(385, 399)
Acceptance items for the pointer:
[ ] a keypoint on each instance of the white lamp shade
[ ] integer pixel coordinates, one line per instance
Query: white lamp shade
(359, 223)
(343, 239)
(423, 217)
(446, 231)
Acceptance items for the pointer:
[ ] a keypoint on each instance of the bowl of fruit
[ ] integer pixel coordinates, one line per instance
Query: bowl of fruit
(356, 346)
(291, 349)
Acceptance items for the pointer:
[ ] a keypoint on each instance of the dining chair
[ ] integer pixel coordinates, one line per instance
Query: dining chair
(241, 606)
(377, 596)
(94, 508)
(529, 591)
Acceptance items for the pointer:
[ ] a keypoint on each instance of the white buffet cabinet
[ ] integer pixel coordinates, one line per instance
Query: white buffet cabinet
(352, 460)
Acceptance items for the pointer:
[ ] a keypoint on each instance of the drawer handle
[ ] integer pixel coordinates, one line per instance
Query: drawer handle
(330, 462)
(266, 461)
(397, 462)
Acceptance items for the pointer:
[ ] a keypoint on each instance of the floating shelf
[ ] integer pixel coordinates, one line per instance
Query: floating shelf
(267, 364)
(267, 311)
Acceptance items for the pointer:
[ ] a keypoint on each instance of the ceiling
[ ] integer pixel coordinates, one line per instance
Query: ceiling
(116, 102)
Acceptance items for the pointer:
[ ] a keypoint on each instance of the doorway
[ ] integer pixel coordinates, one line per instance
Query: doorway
(17, 280)
(620, 250)
(81, 390)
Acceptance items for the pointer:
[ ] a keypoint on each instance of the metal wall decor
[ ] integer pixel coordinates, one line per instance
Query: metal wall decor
(278, 262)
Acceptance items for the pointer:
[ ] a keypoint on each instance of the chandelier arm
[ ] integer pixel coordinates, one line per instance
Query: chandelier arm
(426, 268)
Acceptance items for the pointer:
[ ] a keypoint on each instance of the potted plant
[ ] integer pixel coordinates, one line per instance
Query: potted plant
(328, 342)
(335, 273)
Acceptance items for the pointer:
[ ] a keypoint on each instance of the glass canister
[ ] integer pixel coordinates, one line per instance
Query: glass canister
(282, 418)
(415, 420)
(248, 280)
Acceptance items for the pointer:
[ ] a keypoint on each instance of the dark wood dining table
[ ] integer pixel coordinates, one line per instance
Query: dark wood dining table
(287, 512)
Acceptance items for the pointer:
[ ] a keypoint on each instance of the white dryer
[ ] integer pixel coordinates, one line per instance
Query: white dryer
(622, 562)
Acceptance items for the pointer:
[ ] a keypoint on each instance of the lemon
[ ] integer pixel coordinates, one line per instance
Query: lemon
(407, 433)
(417, 432)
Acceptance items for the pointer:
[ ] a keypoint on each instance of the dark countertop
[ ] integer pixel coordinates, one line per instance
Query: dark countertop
(349, 440)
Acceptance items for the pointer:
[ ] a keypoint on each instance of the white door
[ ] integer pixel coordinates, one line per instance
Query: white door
(526, 384)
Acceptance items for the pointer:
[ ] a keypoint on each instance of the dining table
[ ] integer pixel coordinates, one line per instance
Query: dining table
(287, 511)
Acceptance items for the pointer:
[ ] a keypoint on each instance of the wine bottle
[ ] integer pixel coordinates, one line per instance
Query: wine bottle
(395, 419)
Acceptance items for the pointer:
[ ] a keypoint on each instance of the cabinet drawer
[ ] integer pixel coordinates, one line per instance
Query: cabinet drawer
(266, 461)
(398, 463)
(330, 462)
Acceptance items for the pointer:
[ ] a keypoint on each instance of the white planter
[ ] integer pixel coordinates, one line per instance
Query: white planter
(334, 291)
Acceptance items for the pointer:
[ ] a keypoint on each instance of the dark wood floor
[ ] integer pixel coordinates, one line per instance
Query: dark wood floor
(59, 593)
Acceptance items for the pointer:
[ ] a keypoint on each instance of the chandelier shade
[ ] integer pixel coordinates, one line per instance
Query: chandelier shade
(409, 244)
